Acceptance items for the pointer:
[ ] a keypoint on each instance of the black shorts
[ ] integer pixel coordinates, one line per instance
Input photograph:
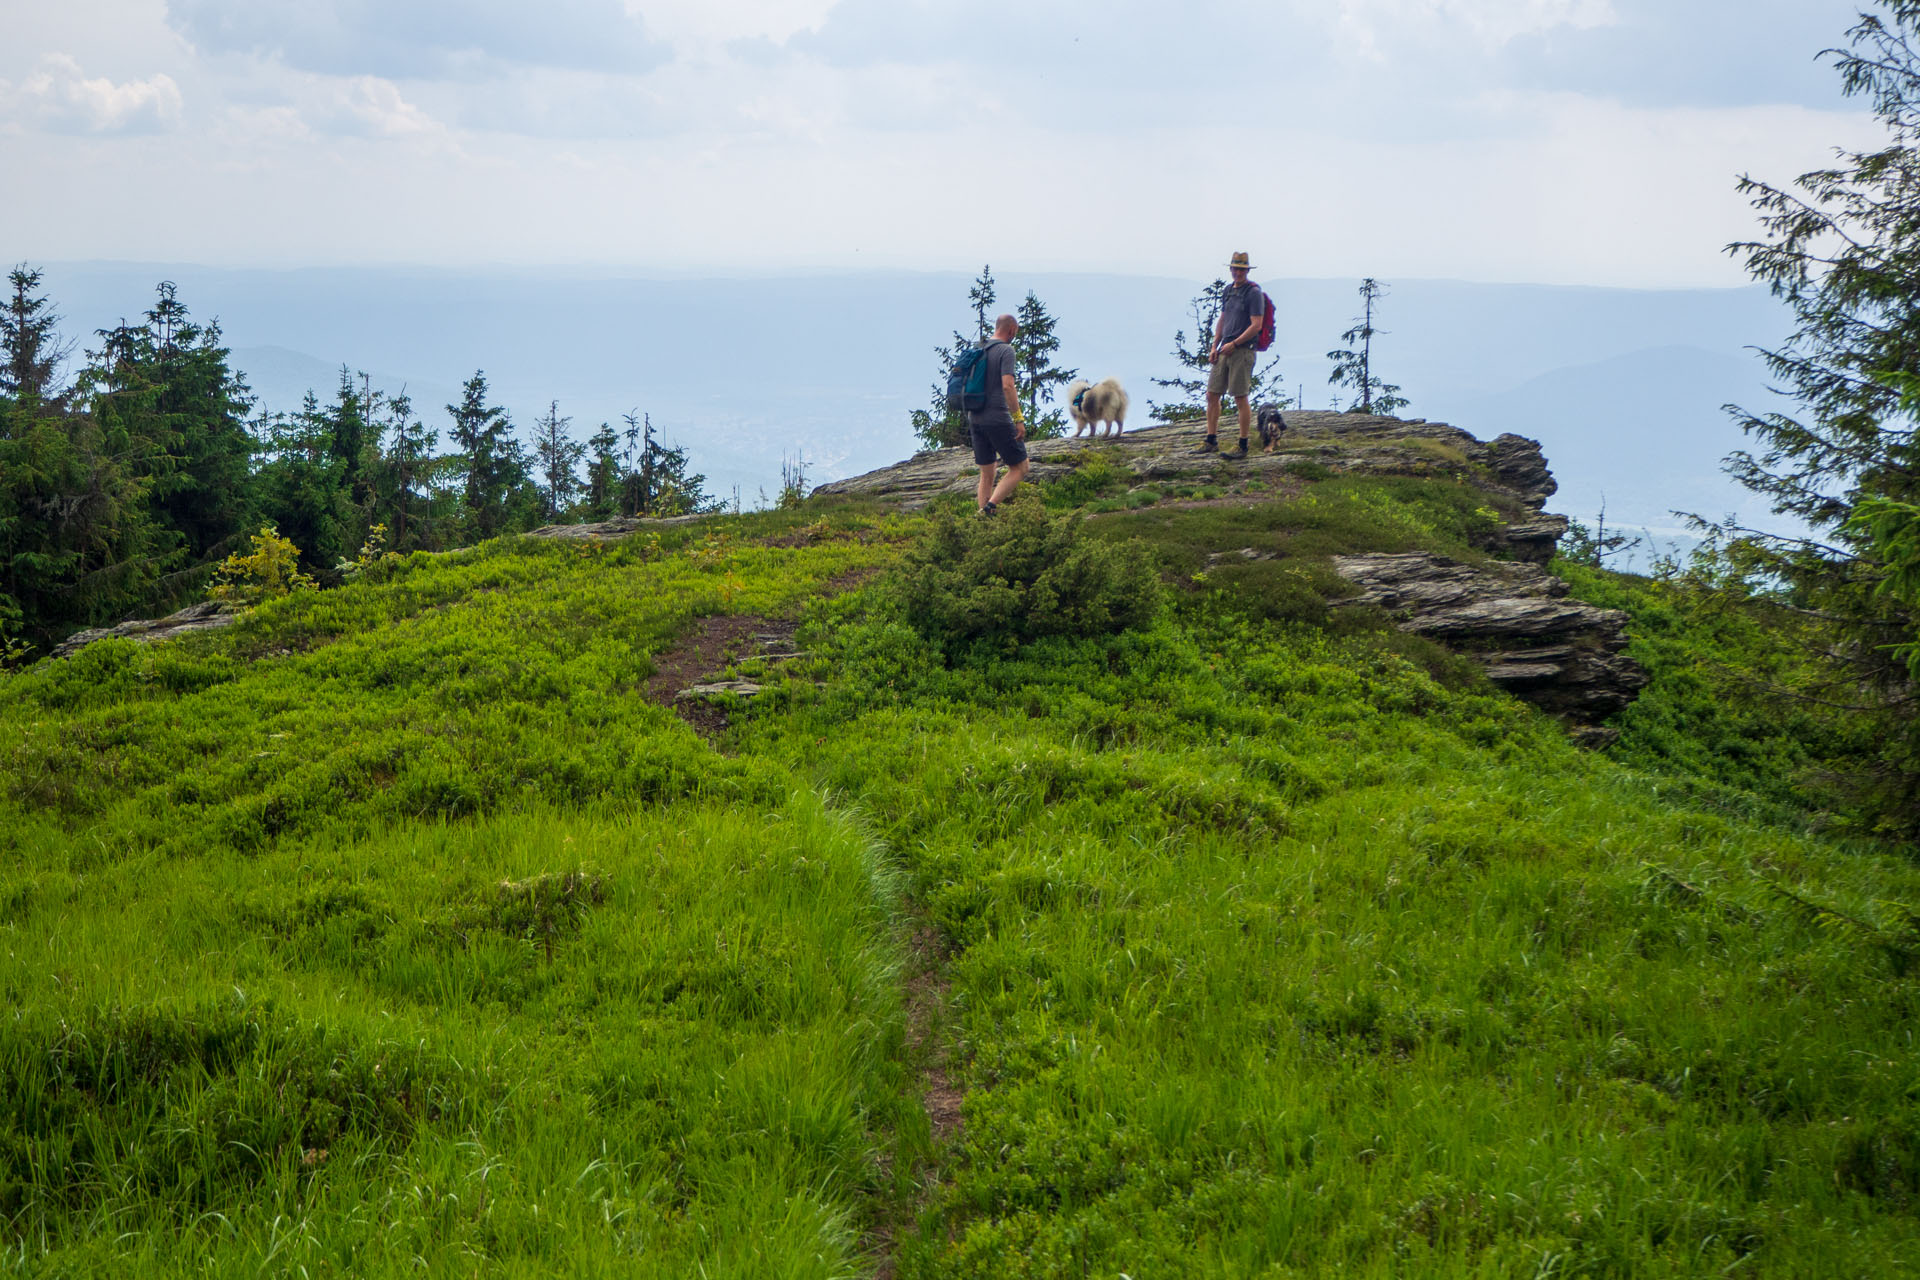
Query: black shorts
(993, 438)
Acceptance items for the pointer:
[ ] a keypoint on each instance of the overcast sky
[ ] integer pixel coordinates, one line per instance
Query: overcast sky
(1562, 141)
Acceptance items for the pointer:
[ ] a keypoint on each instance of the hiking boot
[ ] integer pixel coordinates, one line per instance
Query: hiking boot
(1210, 445)
(1239, 453)
(989, 509)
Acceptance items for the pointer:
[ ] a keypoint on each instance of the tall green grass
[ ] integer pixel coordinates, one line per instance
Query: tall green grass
(1273, 956)
(397, 931)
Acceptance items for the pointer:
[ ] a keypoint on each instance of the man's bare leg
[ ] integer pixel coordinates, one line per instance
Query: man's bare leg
(1213, 412)
(985, 490)
(1245, 404)
(1008, 481)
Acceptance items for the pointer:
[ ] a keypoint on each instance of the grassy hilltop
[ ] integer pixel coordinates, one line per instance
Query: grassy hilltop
(1188, 929)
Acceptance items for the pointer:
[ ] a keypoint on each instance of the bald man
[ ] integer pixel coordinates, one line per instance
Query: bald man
(999, 432)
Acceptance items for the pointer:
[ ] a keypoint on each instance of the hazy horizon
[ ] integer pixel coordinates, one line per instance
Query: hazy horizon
(747, 371)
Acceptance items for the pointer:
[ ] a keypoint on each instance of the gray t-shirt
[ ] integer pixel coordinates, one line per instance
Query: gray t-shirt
(1240, 306)
(1000, 364)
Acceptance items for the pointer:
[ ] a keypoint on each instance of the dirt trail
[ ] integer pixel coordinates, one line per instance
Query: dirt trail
(930, 1047)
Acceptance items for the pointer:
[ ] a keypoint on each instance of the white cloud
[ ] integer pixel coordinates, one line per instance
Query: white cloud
(1492, 23)
(59, 97)
(698, 27)
(837, 133)
(425, 39)
(375, 106)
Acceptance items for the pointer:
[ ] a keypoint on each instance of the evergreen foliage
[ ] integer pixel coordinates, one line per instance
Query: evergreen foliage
(938, 427)
(121, 493)
(405, 468)
(166, 384)
(31, 351)
(1353, 363)
(558, 458)
(1022, 575)
(658, 479)
(1841, 247)
(492, 462)
(78, 544)
(604, 474)
(982, 294)
(1033, 351)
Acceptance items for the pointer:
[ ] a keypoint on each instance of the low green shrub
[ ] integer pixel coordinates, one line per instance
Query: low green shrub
(1019, 576)
(1095, 475)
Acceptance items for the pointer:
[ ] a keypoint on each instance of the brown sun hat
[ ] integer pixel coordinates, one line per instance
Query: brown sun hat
(1239, 260)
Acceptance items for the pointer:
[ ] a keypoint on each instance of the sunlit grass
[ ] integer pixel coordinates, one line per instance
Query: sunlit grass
(398, 931)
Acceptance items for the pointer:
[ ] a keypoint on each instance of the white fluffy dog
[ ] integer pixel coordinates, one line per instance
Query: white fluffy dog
(1094, 404)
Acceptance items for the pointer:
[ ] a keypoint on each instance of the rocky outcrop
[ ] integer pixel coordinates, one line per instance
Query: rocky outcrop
(1515, 619)
(208, 615)
(1510, 614)
(618, 527)
(1337, 442)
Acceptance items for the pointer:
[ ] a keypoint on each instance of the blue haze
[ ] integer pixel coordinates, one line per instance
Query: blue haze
(1623, 387)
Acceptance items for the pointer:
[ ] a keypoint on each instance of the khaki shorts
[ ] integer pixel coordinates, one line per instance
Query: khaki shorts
(1233, 373)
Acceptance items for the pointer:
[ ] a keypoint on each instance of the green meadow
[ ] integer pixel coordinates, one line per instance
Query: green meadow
(400, 930)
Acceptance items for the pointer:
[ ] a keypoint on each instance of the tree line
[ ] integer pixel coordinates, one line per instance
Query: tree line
(122, 487)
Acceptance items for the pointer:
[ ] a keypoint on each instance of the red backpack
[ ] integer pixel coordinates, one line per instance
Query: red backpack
(1265, 339)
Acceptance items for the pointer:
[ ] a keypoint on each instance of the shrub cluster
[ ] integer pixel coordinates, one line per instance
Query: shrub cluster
(1022, 575)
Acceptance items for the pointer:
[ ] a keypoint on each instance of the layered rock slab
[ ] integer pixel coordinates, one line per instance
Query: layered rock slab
(1340, 442)
(1516, 620)
(208, 615)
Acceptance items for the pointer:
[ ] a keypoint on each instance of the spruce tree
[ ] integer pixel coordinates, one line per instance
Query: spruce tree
(405, 463)
(1033, 351)
(490, 458)
(30, 348)
(603, 473)
(167, 384)
(303, 491)
(657, 479)
(937, 426)
(1353, 363)
(981, 296)
(557, 455)
(78, 544)
(1841, 247)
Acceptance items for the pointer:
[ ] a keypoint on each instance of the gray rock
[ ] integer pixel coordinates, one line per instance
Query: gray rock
(1515, 619)
(1528, 541)
(718, 689)
(1340, 442)
(618, 527)
(208, 615)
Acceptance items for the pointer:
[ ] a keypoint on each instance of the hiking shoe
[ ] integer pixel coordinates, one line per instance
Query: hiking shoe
(1211, 445)
(1239, 450)
(989, 509)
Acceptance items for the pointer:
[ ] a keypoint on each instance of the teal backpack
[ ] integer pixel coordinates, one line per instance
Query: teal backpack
(967, 380)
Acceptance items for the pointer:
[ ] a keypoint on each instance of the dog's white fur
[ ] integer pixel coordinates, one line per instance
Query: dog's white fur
(1105, 402)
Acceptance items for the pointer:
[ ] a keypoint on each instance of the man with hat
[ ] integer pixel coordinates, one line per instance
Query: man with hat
(1242, 308)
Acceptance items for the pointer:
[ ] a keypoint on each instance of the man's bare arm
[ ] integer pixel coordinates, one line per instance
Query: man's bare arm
(1253, 330)
(1012, 393)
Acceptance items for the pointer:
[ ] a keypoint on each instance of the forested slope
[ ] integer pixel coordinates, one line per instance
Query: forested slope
(1163, 923)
